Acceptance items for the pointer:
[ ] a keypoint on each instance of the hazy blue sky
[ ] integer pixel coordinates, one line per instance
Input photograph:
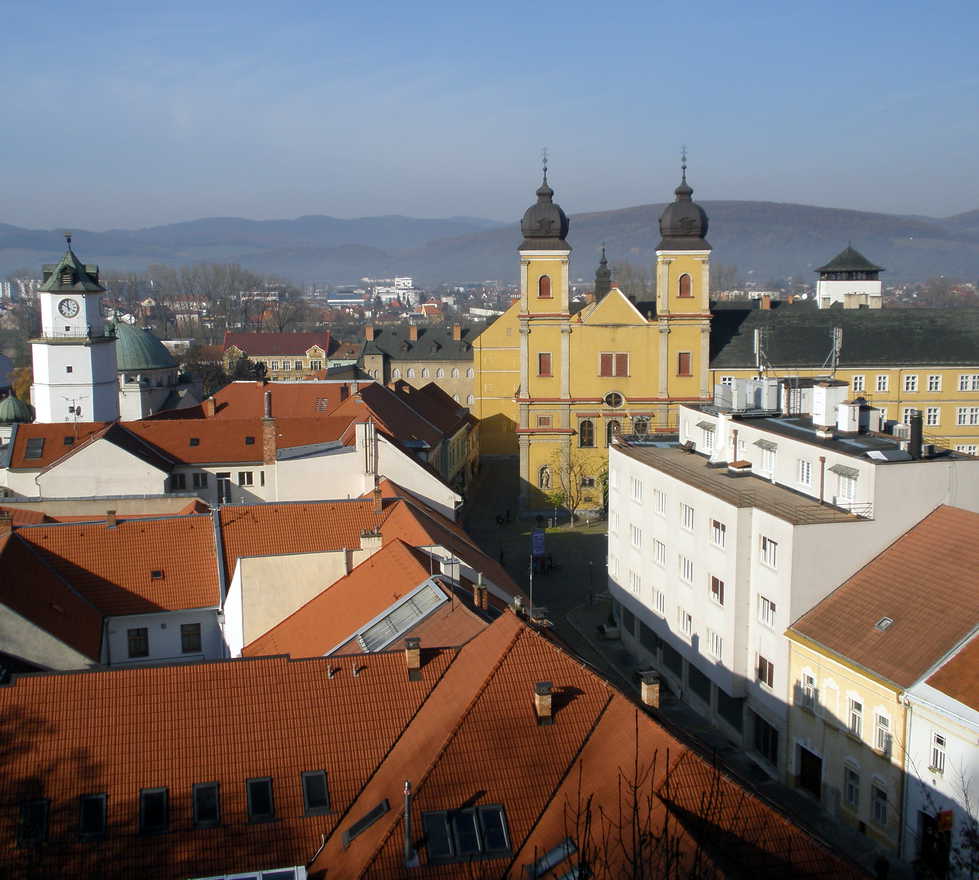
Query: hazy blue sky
(137, 112)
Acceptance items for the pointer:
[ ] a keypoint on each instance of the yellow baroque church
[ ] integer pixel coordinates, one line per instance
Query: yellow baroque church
(552, 388)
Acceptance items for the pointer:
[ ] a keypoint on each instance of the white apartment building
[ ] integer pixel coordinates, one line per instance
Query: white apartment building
(719, 542)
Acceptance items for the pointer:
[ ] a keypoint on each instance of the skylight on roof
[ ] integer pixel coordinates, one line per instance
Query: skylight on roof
(401, 618)
(884, 624)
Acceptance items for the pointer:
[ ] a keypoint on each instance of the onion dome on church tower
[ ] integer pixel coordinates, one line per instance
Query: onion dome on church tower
(13, 409)
(603, 278)
(683, 223)
(544, 225)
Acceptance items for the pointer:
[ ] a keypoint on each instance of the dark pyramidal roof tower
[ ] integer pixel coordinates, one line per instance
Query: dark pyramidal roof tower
(544, 226)
(683, 223)
(603, 278)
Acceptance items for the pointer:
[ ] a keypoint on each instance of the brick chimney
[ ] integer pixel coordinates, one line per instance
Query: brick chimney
(457, 332)
(413, 658)
(6, 524)
(413, 332)
(765, 303)
(269, 441)
(370, 541)
(209, 407)
(378, 499)
(369, 332)
(480, 593)
(650, 690)
(542, 703)
(110, 519)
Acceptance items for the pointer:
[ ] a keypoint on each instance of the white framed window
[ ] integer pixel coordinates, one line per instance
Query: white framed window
(686, 568)
(718, 533)
(727, 380)
(854, 718)
(906, 414)
(857, 383)
(911, 383)
(768, 461)
(967, 415)
(717, 590)
(765, 671)
(274, 365)
(935, 382)
(659, 501)
(933, 416)
(635, 533)
(439, 373)
(707, 439)
(635, 582)
(396, 373)
(715, 644)
(411, 373)
(808, 691)
(805, 471)
(425, 373)
(882, 734)
(636, 487)
(937, 752)
(659, 600)
(659, 552)
(769, 552)
(851, 788)
(684, 620)
(967, 448)
(766, 611)
(878, 803)
(883, 381)
(969, 382)
(847, 487)
(686, 516)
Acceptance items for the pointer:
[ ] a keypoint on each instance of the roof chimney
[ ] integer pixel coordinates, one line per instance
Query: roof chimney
(457, 332)
(650, 690)
(269, 437)
(413, 332)
(209, 407)
(917, 429)
(480, 593)
(413, 658)
(765, 303)
(378, 499)
(267, 408)
(369, 332)
(542, 703)
(110, 519)
(370, 541)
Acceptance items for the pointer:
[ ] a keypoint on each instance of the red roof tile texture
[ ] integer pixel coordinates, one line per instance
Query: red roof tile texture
(925, 582)
(392, 415)
(959, 677)
(289, 399)
(113, 566)
(295, 344)
(432, 403)
(57, 440)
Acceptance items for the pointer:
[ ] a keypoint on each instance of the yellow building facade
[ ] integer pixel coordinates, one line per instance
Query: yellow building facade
(553, 388)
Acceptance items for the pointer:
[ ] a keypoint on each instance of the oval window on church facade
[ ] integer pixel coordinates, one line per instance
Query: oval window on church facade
(685, 288)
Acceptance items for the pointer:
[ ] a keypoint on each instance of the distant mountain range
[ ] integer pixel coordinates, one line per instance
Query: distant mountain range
(765, 240)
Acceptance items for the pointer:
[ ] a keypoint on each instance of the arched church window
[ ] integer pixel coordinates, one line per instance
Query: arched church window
(586, 434)
(544, 477)
(470, 399)
(411, 372)
(685, 288)
(544, 287)
(612, 430)
(395, 373)
(424, 372)
(455, 372)
(440, 373)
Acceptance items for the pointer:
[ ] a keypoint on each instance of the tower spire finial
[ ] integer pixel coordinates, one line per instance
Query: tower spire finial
(543, 160)
(68, 240)
(683, 162)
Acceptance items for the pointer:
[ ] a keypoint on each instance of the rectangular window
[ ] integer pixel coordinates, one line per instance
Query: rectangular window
(659, 501)
(261, 805)
(882, 382)
(178, 482)
(855, 717)
(207, 805)
(91, 814)
(139, 641)
(769, 552)
(275, 365)
(967, 448)
(543, 421)
(464, 835)
(766, 671)
(298, 365)
(805, 472)
(718, 533)
(808, 692)
(316, 365)
(686, 517)
(707, 439)
(717, 590)
(659, 552)
(766, 739)
(33, 826)
(612, 363)
(967, 415)
(636, 486)
(727, 380)
(200, 481)
(660, 600)
(766, 611)
(878, 802)
(906, 414)
(910, 383)
(933, 416)
(153, 811)
(544, 363)
(316, 792)
(245, 478)
(635, 582)
(684, 621)
(935, 383)
(686, 568)
(715, 644)
(857, 383)
(938, 753)
(851, 787)
(683, 364)
(636, 534)
(190, 638)
(969, 382)
(882, 738)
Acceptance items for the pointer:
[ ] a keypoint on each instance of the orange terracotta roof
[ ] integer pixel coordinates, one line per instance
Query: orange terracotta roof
(289, 399)
(925, 582)
(432, 403)
(259, 344)
(331, 617)
(959, 677)
(34, 590)
(20, 516)
(392, 414)
(112, 566)
(58, 439)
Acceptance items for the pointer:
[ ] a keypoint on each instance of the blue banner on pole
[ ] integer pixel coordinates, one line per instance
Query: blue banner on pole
(537, 542)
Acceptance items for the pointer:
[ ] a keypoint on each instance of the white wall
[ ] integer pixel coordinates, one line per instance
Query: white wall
(407, 473)
(332, 473)
(98, 470)
(164, 637)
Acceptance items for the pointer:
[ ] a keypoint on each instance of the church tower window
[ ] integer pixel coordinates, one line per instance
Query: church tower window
(544, 287)
(685, 288)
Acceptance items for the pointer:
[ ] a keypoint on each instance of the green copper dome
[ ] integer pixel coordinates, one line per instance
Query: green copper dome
(13, 409)
(138, 349)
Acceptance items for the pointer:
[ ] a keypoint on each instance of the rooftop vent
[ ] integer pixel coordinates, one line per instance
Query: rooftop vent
(542, 703)
(413, 658)
(884, 624)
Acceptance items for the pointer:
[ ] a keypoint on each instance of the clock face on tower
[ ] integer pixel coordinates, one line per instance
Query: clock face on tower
(68, 308)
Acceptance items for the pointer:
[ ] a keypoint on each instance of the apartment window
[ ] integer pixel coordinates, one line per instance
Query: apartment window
(543, 421)
(635, 582)
(261, 805)
(684, 290)
(911, 383)
(715, 644)
(882, 382)
(717, 590)
(718, 533)
(851, 787)
(933, 416)
(395, 373)
(847, 486)
(544, 363)
(808, 691)
(659, 552)
(707, 439)
(466, 835)
(139, 642)
(684, 621)
(659, 501)
(297, 365)
(207, 805)
(769, 552)
(907, 413)
(612, 429)
(316, 365)
(245, 478)
(91, 815)
(636, 535)
(587, 482)
(686, 569)
(200, 481)
(439, 373)
(805, 471)
(316, 793)
(766, 611)
(636, 486)
(878, 803)
(766, 671)
(683, 364)
(727, 380)
(33, 825)
(935, 383)
(659, 599)
(274, 365)
(967, 448)
(857, 383)
(455, 373)
(686, 516)
(937, 753)
(425, 372)
(544, 287)
(612, 363)
(882, 734)
(969, 382)
(967, 415)
(190, 638)
(766, 739)
(855, 717)
(153, 811)
(178, 482)
(586, 434)
(470, 372)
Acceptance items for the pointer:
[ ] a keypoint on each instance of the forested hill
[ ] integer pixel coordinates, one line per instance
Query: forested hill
(764, 240)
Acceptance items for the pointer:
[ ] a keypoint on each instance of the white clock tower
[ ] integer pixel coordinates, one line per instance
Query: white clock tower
(75, 356)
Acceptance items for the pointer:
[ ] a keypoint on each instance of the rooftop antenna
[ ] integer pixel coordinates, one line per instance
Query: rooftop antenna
(833, 358)
(761, 359)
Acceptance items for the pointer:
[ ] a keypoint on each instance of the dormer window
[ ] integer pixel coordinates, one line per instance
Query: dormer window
(156, 574)
(249, 441)
(195, 441)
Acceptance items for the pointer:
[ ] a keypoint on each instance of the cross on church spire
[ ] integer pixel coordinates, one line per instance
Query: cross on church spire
(683, 162)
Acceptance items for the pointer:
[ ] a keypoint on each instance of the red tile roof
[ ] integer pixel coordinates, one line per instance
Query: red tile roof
(393, 416)
(295, 344)
(59, 439)
(959, 677)
(289, 399)
(432, 403)
(112, 566)
(925, 582)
